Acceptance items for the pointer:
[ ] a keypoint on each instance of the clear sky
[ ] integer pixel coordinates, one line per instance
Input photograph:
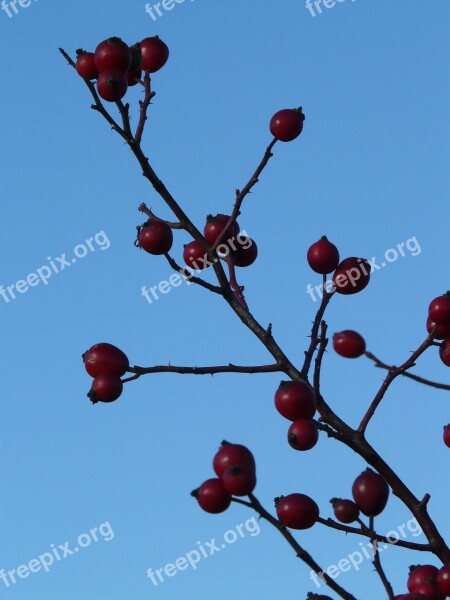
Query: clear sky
(370, 171)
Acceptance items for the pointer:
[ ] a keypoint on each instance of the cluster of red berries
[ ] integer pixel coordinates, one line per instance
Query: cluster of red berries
(156, 237)
(235, 468)
(351, 275)
(427, 582)
(370, 495)
(295, 401)
(116, 66)
(106, 364)
(439, 314)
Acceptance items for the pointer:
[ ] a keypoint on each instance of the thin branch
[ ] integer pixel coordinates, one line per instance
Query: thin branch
(382, 365)
(230, 368)
(144, 104)
(147, 211)
(299, 550)
(366, 532)
(192, 278)
(326, 297)
(393, 374)
(378, 567)
(240, 195)
(323, 341)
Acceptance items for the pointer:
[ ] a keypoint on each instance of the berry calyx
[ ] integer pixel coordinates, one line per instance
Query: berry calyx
(245, 253)
(106, 359)
(239, 481)
(370, 492)
(212, 496)
(351, 276)
(287, 124)
(85, 65)
(439, 309)
(349, 344)
(230, 455)
(154, 54)
(311, 596)
(112, 54)
(105, 388)
(297, 511)
(155, 237)
(303, 434)
(345, 511)
(295, 400)
(195, 256)
(323, 256)
(112, 85)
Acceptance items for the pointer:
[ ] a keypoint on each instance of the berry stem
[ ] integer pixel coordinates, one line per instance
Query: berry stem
(147, 211)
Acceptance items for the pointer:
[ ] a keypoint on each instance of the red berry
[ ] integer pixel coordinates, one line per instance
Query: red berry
(105, 388)
(447, 435)
(105, 358)
(112, 85)
(443, 580)
(420, 574)
(154, 54)
(444, 352)
(370, 492)
(133, 77)
(239, 481)
(195, 256)
(136, 57)
(323, 256)
(212, 496)
(112, 54)
(351, 276)
(442, 331)
(85, 65)
(439, 309)
(303, 434)
(287, 124)
(430, 591)
(349, 344)
(295, 400)
(345, 511)
(230, 455)
(245, 253)
(215, 225)
(155, 237)
(297, 511)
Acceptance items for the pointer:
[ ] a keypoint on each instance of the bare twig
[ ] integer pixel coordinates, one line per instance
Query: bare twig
(382, 365)
(378, 567)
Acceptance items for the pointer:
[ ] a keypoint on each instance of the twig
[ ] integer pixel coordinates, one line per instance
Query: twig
(382, 365)
(240, 195)
(230, 368)
(326, 297)
(393, 374)
(378, 567)
(144, 104)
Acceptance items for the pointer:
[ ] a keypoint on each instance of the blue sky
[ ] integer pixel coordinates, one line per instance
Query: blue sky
(369, 171)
